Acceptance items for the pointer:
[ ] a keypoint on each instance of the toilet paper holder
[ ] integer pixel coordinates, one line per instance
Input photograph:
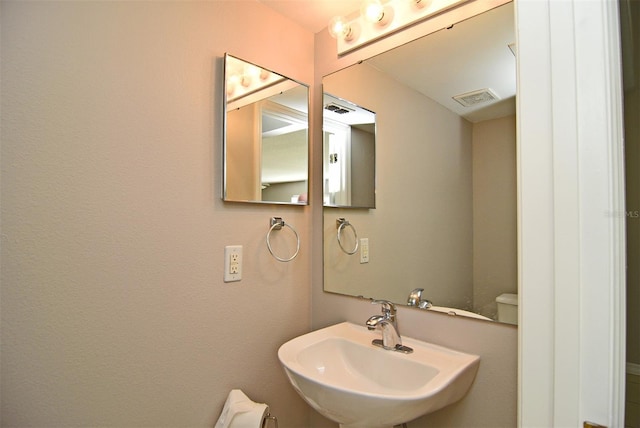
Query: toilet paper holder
(268, 418)
(240, 412)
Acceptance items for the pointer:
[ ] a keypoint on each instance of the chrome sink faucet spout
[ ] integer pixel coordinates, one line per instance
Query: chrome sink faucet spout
(415, 299)
(387, 322)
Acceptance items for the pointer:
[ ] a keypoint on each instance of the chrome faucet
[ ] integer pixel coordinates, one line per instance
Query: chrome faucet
(391, 339)
(415, 299)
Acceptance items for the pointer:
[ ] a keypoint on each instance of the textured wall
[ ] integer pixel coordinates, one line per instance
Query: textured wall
(114, 312)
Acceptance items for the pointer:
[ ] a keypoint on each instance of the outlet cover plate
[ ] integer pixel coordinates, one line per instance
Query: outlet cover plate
(232, 263)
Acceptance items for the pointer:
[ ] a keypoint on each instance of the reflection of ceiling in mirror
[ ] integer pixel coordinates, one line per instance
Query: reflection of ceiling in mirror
(477, 49)
(346, 112)
(296, 98)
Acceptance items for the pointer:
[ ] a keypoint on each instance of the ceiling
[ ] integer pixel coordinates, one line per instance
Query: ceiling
(313, 15)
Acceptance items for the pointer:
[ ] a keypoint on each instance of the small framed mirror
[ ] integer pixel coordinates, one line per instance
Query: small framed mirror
(266, 135)
(349, 154)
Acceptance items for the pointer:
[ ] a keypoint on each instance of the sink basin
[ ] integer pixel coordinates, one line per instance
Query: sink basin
(348, 380)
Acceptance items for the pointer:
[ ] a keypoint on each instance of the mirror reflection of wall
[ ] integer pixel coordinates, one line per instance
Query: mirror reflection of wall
(349, 154)
(266, 136)
(445, 218)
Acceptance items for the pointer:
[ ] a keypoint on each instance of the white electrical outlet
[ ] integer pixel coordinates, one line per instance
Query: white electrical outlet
(232, 263)
(364, 250)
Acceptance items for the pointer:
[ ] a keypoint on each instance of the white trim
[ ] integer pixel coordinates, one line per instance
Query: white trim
(602, 195)
(571, 242)
(567, 216)
(535, 215)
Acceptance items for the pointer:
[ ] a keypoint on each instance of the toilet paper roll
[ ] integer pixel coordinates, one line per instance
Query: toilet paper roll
(253, 418)
(240, 412)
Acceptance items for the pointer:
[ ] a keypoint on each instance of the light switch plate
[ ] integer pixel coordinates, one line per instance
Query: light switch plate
(364, 250)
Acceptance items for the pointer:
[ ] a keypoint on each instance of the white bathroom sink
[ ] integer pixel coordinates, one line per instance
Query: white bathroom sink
(348, 380)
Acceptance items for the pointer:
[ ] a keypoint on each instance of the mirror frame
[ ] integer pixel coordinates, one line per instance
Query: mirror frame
(225, 101)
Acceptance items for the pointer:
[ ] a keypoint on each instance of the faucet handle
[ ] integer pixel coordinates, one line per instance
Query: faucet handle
(387, 306)
(415, 297)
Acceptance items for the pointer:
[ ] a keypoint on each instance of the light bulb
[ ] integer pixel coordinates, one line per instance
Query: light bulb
(372, 11)
(420, 4)
(232, 82)
(251, 73)
(339, 27)
(252, 70)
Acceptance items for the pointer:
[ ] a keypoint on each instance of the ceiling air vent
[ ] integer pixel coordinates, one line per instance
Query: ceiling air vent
(337, 108)
(474, 98)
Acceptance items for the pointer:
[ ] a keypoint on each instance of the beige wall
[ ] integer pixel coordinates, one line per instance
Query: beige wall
(495, 265)
(114, 312)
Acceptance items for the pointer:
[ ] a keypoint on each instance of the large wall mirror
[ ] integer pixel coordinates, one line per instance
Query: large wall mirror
(445, 217)
(266, 143)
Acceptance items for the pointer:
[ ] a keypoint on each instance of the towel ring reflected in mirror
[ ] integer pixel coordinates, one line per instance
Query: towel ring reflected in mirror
(341, 224)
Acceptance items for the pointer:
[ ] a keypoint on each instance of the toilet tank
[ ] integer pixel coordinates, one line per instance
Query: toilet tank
(507, 308)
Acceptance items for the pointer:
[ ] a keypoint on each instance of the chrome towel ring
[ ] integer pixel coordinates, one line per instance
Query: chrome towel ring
(341, 223)
(278, 223)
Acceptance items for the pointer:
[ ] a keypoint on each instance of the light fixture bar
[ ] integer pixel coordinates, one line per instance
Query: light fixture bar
(405, 13)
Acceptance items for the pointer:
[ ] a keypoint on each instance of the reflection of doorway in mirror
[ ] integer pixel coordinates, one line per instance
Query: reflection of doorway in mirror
(337, 189)
(349, 144)
(284, 153)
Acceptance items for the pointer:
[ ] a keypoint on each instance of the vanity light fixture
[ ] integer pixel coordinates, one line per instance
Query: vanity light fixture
(420, 3)
(244, 78)
(372, 11)
(251, 74)
(375, 12)
(339, 28)
(232, 83)
(378, 19)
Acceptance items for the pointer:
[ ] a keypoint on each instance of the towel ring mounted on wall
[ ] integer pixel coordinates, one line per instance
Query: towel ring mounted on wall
(341, 223)
(278, 223)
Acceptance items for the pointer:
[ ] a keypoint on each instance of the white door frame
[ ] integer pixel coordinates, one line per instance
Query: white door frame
(571, 214)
